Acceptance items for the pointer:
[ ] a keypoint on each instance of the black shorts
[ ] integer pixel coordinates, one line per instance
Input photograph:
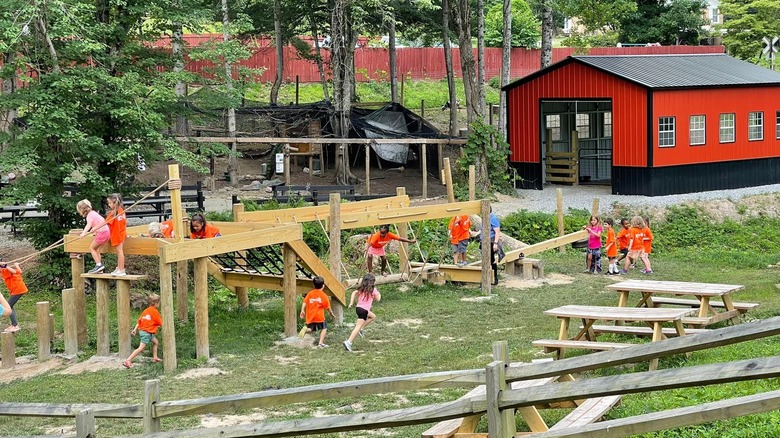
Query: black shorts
(317, 326)
(361, 313)
(624, 251)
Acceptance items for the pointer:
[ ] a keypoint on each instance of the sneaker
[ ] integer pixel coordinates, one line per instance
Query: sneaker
(623, 272)
(118, 273)
(348, 346)
(647, 272)
(96, 270)
(362, 335)
(323, 345)
(12, 329)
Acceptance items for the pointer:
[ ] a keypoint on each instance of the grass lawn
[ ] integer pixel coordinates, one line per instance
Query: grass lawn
(421, 329)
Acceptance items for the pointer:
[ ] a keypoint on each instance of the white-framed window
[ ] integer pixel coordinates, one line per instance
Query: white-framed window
(553, 123)
(715, 15)
(665, 132)
(755, 125)
(608, 123)
(583, 125)
(696, 130)
(777, 124)
(726, 132)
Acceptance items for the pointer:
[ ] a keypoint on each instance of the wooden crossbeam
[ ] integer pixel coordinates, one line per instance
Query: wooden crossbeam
(265, 281)
(544, 246)
(309, 259)
(320, 212)
(410, 214)
(132, 246)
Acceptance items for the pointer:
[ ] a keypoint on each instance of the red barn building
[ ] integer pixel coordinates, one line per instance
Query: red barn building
(648, 124)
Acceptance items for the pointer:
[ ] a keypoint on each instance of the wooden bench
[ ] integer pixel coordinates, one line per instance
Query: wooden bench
(742, 307)
(641, 331)
(527, 267)
(591, 411)
(554, 345)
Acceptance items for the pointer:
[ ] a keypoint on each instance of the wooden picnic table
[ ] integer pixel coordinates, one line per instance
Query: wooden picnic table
(709, 311)
(653, 317)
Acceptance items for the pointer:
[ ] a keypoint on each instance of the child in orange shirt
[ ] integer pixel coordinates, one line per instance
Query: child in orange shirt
(12, 276)
(117, 226)
(375, 246)
(622, 240)
(648, 243)
(459, 232)
(200, 229)
(147, 325)
(313, 309)
(611, 247)
(636, 246)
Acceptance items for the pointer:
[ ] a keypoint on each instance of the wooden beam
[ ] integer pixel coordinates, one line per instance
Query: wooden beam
(334, 251)
(466, 274)
(309, 259)
(544, 246)
(42, 322)
(410, 214)
(266, 282)
(132, 245)
(70, 321)
(290, 294)
(320, 212)
(194, 249)
(151, 397)
(320, 140)
(403, 232)
(69, 410)
(200, 276)
(472, 182)
(78, 283)
(559, 207)
(103, 324)
(176, 208)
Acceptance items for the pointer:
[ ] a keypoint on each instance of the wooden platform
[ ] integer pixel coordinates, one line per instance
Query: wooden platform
(128, 277)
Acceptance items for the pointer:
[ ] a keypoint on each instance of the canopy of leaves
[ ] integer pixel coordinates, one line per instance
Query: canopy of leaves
(526, 27)
(598, 15)
(746, 23)
(667, 22)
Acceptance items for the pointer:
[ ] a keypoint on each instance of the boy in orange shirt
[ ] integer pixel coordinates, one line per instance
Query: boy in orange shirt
(147, 325)
(12, 276)
(313, 309)
(622, 240)
(611, 247)
(459, 232)
(375, 246)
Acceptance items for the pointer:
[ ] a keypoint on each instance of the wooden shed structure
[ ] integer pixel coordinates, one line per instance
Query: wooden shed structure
(646, 124)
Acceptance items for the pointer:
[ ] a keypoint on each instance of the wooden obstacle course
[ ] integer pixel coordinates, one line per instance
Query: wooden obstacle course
(44, 331)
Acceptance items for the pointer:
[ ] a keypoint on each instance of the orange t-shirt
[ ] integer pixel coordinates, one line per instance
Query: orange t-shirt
(622, 238)
(377, 241)
(167, 228)
(648, 240)
(13, 282)
(117, 227)
(206, 232)
(612, 251)
(459, 228)
(149, 320)
(638, 236)
(316, 303)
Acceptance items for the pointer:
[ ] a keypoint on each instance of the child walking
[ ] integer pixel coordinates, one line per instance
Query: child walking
(375, 246)
(636, 246)
(593, 259)
(459, 232)
(611, 246)
(147, 325)
(648, 245)
(12, 276)
(313, 309)
(96, 224)
(117, 226)
(622, 240)
(366, 293)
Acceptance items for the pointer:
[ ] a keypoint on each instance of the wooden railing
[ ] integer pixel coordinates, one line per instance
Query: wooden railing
(498, 403)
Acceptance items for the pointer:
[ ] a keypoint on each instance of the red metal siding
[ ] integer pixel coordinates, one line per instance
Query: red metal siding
(711, 103)
(577, 81)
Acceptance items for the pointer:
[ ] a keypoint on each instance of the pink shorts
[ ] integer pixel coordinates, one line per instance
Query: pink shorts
(102, 237)
(376, 251)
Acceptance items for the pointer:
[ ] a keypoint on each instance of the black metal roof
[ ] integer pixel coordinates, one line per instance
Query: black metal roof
(672, 71)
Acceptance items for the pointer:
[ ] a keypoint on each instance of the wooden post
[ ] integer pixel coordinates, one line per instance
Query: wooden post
(487, 247)
(401, 74)
(200, 275)
(182, 286)
(495, 383)
(70, 321)
(422, 108)
(501, 353)
(176, 207)
(166, 310)
(85, 424)
(78, 283)
(123, 315)
(182, 290)
(424, 163)
(151, 398)
(289, 283)
(403, 232)
(559, 206)
(472, 182)
(448, 181)
(9, 349)
(575, 150)
(242, 293)
(440, 159)
(42, 309)
(287, 165)
(595, 209)
(368, 165)
(103, 330)
(334, 232)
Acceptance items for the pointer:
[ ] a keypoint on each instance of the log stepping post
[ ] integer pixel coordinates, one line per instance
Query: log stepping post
(8, 349)
(44, 340)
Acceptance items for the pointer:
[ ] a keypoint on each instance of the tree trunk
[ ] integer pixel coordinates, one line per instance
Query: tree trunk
(393, 65)
(453, 125)
(461, 13)
(506, 65)
(182, 124)
(9, 87)
(279, 52)
(40, 26)
(318, 54)
(231, 112)
(481, 103)
(547, 33)
(343, 39)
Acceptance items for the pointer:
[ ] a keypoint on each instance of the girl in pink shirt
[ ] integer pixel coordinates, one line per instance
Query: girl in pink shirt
(366, 293)
(96, 224)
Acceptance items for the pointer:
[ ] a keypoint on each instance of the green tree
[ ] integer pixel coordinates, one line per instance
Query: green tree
(525, 26)
(746, 23)
(667, 22)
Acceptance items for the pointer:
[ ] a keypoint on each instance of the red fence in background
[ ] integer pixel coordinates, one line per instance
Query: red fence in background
(413, 63)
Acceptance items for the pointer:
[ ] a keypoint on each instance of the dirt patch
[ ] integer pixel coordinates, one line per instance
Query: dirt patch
(287, 360)
(295, 341)
(94, 364)
(230, 420)
(26, 367)
(197, 373)
(408, 323)
(477, 299)
(552, 279)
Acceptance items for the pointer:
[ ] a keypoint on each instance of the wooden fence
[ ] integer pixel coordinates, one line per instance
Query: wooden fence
(498, 403)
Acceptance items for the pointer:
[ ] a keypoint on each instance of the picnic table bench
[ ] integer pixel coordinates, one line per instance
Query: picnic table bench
(708, 310)
(586, 336)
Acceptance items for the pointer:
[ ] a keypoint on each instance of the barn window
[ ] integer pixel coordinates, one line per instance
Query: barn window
(727, 127)
(583, 125)
(755, 125)
(697, 130)
(777, 124)
(554, 125)
(608, 123)
(665, 132)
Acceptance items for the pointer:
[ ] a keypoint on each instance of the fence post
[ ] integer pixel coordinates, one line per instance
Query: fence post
(501, 352)
(85, 424)
(334, 233)
(495, 383)
(9, 349)
(44, 342)
(70, 321)
(151, 397)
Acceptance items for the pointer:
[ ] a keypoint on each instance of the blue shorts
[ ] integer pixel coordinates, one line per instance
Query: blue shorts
(146, 337)
(2, 309)
(460, 246)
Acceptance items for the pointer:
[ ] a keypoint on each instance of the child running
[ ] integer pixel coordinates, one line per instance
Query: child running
(117, 225)
(622, 240)
(96, 224)
(648, 244)
(366, 293)
(593, 259)
(147, 325)
(375, 246)
(313, 309)
(611, 247)
(459, 232)
(12, 276)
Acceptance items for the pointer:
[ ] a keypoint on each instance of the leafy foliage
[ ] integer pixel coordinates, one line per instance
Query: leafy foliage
(532, 227)
(526, 27)
(748, 22)
(486, 142)
(666, 22)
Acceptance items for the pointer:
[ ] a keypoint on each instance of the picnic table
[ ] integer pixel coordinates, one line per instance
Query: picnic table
(586, 336)
(709, 311)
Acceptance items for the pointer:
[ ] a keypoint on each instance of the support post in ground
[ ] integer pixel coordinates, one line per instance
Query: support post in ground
(200, 275)
(403, 232)
(448, 181)
(166, 310)
(78, 283)
(42, 309)
(70, 321)
(334, 232)
(487, 247)
(289, 282)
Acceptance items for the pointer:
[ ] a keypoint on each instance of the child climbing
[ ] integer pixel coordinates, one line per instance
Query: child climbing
(200, 229)
(593, 258)
(611, 247)
(147, 325)
(375, 246)
(366, 293)
(12, 276)
(97, 225)
(313, 309)
(117, 225)
(459, 232)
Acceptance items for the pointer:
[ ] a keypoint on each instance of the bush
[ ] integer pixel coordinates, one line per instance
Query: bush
(534, 227)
